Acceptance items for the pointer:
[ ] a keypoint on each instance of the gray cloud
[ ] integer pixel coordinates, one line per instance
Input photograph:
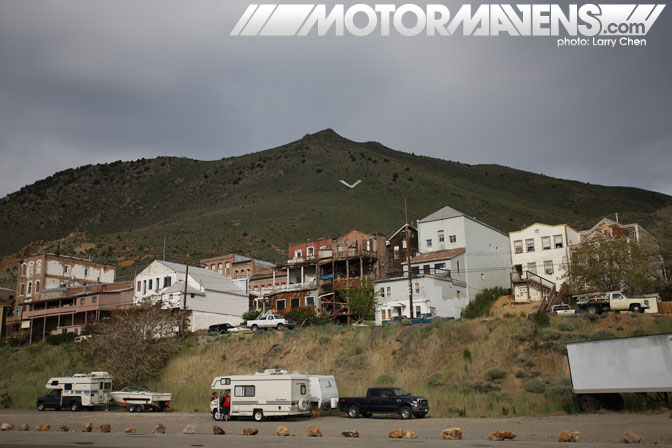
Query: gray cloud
(87, 82)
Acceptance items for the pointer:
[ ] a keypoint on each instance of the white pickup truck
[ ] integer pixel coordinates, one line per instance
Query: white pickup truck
(563, 310)
(270, 320)
(615, 301)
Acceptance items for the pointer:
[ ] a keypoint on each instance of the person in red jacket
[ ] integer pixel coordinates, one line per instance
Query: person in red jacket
(226, 405)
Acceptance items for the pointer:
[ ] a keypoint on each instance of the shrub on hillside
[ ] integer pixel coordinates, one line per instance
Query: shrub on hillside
(251, 315)
(495, 374)
(482, 303)
(536, 386)
(550, 334)
(385, 380)
(61, 338)
(486, 387)
(304, 317)
(565, 326)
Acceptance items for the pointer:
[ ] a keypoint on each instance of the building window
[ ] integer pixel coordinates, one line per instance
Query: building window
(453, 238)
(243, 391)
(235, 274)
(82, 301)
(397, 253)
(532, 267)
(219, 267)
(417, 288)
(548, 267)
(557, 239)
(212, 267)
(458, 267)
(518, 246)
(429, 243)
(139, 286)
(157, 284)
(382, 292)
(37, 286)
(294, 302)
(403, 244)
(30, 269)
(166, 281)
(310, 252)
(545, 242)
(280, 305)
(38, 268)
(248, 273)
(22, 289)
(30, 288)
(459, 294)
(144, 286)
(298, 254)
(227, 269)
(439, 267)
(440, 236)
(94, 299)
(66, 269)
(310, 301)
(389, 291)
(149, 284)
(529, 245)
(86, 272)
(23, 270)
(415, 270)
(418, 310)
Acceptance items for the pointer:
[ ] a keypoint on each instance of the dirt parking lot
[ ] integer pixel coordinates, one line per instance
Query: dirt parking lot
(607, 428)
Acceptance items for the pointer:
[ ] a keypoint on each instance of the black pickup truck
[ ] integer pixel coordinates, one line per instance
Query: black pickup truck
(385, 400)
(53, 400)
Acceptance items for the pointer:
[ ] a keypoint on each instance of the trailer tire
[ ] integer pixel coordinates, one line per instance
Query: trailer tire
(303, 405)
(41, 407)
(75, 406)
(353, 411)
(217, 415)
(258, 415)
(406, 412)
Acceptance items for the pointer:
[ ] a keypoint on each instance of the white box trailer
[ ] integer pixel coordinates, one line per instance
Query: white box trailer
(323, 392)
(602, 370)
(273, 393)
(83, 390)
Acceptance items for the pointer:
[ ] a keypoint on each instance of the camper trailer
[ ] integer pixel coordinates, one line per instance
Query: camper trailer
(273, 393)
(82, 390)
(323, 392)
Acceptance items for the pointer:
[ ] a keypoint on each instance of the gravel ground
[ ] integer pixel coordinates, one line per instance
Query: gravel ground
(594, 428)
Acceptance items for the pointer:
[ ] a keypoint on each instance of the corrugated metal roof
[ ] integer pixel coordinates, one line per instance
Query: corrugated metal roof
(437, 255)
(444, 213)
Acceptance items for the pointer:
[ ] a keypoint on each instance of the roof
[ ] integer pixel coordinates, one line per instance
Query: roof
(437, 255)
(6, 289)
(402, 228)
(211, 280)
(179, 288)
(545, 225)
(444, 213)
(237, 259)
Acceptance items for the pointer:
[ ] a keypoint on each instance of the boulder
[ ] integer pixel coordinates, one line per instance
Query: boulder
(568, 436)
(396, 434)
(24, 427)
(350, 433)
(282, 431)
(105, 428)
(43, 427)
(502, 435)
(250, 431)
(314, 431)
(189, 429)
(452, 434)
(7, 427)
(159, 429)
(409, 435)
(129, 431)
(63, 428)
(217, 430)
(631, 437)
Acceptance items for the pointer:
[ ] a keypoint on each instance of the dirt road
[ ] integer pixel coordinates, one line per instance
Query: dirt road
(608, 428)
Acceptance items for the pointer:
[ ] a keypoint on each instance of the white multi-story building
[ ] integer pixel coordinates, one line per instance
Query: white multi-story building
(539, 256)
(211, 297)
(459, 256)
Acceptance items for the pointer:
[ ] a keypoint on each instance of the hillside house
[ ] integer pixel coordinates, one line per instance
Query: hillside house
(211, 297)
(397, 250)
(539, 257)
(10, 313)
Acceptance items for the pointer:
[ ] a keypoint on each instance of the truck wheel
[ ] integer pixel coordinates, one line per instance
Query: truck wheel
(258, 415)
(405, 412)
(587, 403)
(636, 308)
(75, 406)
(280, 327)
(592, 310)
(41, 407)
(255, 327)
(353, 411)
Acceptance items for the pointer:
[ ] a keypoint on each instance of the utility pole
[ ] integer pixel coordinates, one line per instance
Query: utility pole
(408, 263)
(186, 282)
(164, 247)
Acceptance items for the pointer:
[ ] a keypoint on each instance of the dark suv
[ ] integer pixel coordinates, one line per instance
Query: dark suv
(220, 328)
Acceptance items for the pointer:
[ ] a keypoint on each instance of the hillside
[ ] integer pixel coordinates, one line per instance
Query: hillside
(258, 203)
(487, 367)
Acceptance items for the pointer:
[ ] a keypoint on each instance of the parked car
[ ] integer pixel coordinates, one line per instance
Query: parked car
(385, 400)
(563, 310)
(270, 320)
(220, 328)
(397, 319)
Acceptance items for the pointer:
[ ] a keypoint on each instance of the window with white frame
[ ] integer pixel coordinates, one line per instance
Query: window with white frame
(294, 302)
(557, 240)
(518, 247)
(532, 267)
(22, 289)
(24, 267)
(310, 301)
(37, 286)
(389, 291)
(38, 267)
(429, 243)
(529, 245)
(453, 238)
(31, 265)
(441, 237)
(219, 267)
(310, 252)
(227, 268)
(382, 292)
(298, 254)
(30, 289)
(417, 288)
(548, 267)
(545, 242)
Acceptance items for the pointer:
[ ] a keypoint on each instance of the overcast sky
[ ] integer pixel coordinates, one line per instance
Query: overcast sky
(96, 81)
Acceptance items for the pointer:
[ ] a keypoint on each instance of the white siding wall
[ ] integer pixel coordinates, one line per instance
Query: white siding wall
(430, 230)
(77, 270)
(487, 257)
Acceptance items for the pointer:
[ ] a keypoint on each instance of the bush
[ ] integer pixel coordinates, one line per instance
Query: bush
(565, 326)
(62, 338)
(436, 380)
(466, 354)
(536, 386)
(486, 387)
(550, 334)
(251, 315)
(601, 334)
(540, 319)
(528, 362)
(495, 374)
(521, 374)
(385, 379)
(482, 303)
(559, 393)
(303, 317)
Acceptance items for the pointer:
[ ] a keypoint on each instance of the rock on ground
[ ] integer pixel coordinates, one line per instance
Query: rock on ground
(396, 434)
(24, 427)
(189, 429)
(452, 434)
(502, 435)
(159, 429)
(568, 436)
(105, 428)
(63, 428)
(409, 435)
(314, 431)
(7, 427)
(218, 430)
(282, 431)
(43, 427)
(87, 427)
(631, 437)
(350, 433)
(250, 431)
(129, 430)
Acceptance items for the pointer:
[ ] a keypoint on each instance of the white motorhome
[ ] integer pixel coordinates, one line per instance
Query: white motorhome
(81, 390)
(273, 393)
(323, 392)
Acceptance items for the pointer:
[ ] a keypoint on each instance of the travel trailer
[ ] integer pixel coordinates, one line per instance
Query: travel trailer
(82, 390)
(273, 393)
(323, 392)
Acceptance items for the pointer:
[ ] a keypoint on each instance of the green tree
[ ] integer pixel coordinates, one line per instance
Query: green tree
(362, 301)
(482, 303)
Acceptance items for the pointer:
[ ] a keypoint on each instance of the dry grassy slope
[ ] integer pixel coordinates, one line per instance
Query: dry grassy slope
(258, 203)
(447, 361)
